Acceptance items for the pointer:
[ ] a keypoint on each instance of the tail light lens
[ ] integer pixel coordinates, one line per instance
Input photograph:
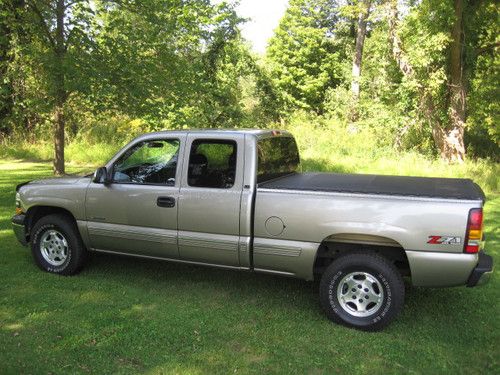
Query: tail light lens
(474, 231)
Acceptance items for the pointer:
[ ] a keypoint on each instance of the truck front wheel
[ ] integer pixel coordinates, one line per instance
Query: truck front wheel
(56, 245)
(362, 290)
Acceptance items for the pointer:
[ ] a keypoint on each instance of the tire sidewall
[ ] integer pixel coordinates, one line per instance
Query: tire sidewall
(336, 307)
(379, 267)
(37, 253)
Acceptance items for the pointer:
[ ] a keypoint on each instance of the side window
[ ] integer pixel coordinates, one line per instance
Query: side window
(212, 163)
(148, 162)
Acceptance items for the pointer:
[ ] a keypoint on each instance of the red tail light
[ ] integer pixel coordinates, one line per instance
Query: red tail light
(474, 232)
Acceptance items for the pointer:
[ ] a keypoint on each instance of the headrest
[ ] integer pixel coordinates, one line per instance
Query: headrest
(198, 159)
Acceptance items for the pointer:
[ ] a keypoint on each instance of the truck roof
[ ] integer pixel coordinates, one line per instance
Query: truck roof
(255, 132)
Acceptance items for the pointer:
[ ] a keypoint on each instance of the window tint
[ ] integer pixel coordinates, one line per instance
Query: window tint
(148, 162)
(277, 156)
(212, 163)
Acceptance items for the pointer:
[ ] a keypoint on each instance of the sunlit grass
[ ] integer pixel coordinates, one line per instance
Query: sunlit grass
(75, 152)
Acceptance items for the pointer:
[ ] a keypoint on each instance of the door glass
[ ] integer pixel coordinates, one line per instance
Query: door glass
(148, 162)
(212, 163)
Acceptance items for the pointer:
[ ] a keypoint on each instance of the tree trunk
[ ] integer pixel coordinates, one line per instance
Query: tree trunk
(448, 139)
(453, 148)
(358, 57)
(60, 90)
(59, 138)
(397, 51)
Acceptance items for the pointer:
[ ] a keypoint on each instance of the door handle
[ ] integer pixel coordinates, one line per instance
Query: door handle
(165, 201)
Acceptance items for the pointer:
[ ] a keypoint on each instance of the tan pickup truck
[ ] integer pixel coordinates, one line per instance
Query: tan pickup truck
(238, 200)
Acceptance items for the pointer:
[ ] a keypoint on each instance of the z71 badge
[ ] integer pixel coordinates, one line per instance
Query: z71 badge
(444, 240)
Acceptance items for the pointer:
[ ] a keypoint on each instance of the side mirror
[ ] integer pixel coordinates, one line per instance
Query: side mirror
(101, 176)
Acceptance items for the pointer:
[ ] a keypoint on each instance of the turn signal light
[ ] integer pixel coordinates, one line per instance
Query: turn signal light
(474, 231)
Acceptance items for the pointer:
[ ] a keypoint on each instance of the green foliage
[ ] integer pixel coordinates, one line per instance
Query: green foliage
(135, 66)
(306, 54)
(169, 63)
(483, 122)
(172, 65)
(425, 33)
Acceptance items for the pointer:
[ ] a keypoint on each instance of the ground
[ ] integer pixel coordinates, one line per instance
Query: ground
(124, 315)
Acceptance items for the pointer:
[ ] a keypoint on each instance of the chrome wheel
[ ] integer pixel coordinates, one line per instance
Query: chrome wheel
(54, 247)
(360, 294)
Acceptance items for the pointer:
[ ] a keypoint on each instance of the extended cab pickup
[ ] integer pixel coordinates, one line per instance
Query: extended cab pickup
(237, 199)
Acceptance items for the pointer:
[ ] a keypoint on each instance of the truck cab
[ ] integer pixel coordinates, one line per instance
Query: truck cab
(189, 196)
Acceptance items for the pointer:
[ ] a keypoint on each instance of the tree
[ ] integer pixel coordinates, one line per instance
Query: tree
(450, 138)
(172, 63)
(306, 54)
(9, 10)
(363, 14)
(61, 27)
(482, 70)
(435, 69)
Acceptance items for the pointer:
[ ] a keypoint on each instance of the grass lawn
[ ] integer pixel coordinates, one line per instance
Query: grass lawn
(124, 315)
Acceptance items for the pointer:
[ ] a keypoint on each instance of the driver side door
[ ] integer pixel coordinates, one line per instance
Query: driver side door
(137, 212)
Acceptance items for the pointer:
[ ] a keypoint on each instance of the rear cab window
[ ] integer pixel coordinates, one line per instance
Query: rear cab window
(277, 156)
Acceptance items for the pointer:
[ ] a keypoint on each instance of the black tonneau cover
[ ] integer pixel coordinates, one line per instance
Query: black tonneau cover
(448, 188)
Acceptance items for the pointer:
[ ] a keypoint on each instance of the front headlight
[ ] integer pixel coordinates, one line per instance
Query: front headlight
(19, 209)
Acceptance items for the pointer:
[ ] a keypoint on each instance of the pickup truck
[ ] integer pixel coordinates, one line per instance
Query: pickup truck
(237, 199)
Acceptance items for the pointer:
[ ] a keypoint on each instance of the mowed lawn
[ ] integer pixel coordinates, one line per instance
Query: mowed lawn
(125, 315)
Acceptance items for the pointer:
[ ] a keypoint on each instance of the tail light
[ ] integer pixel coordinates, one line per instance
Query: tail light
(474, 233)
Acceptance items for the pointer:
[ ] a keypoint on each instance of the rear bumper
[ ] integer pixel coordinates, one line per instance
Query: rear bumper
(482, 272)
(433, 269)
(19, 227)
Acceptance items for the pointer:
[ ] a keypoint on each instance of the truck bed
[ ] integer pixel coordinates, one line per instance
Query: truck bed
(430, 187)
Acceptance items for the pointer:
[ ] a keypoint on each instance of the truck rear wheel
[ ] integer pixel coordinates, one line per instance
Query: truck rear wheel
(362, 290)
(56, 245)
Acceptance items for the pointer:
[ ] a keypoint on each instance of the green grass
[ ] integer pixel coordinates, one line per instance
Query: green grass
(76, 152)
(124, 315)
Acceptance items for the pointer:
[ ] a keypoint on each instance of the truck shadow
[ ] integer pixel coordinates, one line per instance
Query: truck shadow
(425, 308)
(162, 272)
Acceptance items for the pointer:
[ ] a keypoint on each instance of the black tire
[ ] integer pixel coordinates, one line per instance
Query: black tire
(382, 281)
(62, 227)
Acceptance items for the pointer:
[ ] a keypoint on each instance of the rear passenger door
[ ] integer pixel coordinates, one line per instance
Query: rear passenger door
(209, 200)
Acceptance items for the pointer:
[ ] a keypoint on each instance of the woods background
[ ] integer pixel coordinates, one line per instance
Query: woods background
(370, 78)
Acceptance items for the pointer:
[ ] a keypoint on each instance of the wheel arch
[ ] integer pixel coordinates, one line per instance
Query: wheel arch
(35, 213)
(335, 246)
